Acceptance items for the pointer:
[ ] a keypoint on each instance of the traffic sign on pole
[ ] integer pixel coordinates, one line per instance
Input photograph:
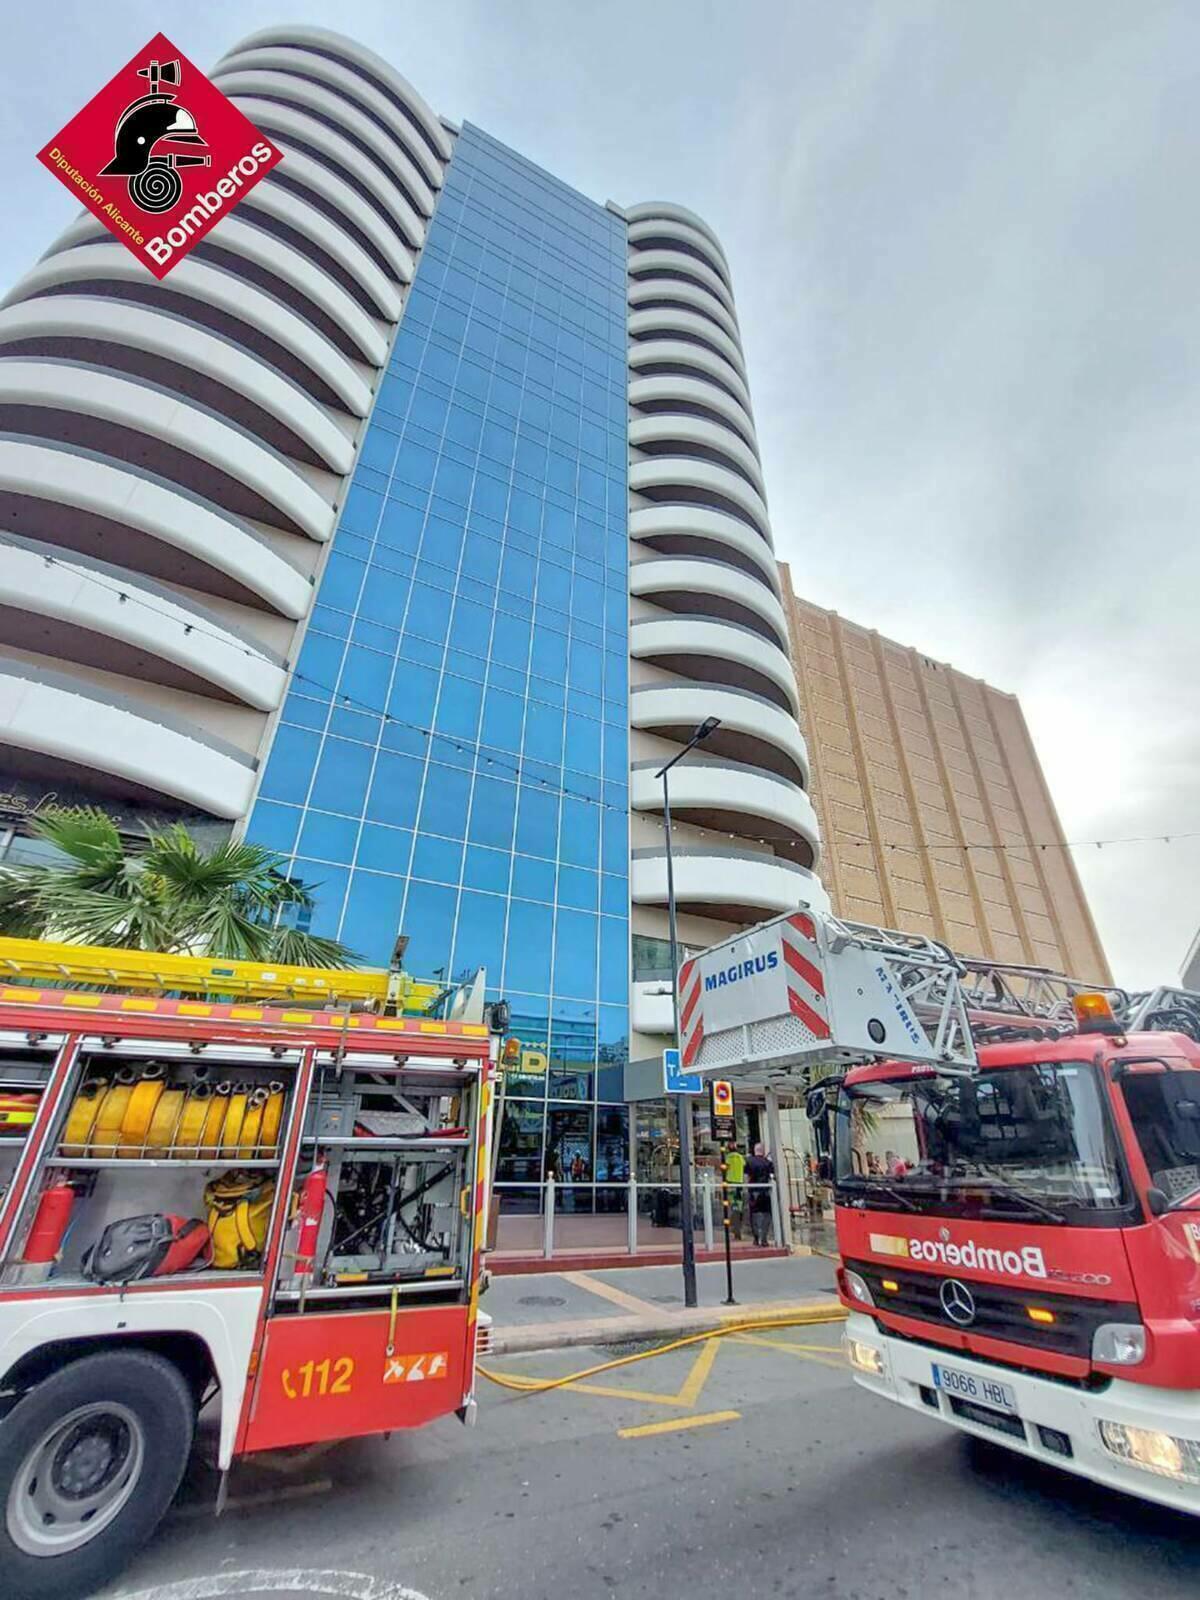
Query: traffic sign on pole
(675, 1080)
(721, 1110)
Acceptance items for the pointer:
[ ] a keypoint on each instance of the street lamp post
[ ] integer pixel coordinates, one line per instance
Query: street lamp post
(683, 1114)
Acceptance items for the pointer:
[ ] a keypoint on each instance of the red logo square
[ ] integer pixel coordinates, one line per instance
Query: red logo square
(160, 155)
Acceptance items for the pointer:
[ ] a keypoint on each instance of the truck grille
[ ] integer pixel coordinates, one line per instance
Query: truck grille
(999, 1313)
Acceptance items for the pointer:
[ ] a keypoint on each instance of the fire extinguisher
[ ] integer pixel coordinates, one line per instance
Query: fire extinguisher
(312, 1209)
(49, 1226)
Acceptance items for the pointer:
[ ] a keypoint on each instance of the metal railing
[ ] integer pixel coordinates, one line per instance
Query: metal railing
(651, 1219)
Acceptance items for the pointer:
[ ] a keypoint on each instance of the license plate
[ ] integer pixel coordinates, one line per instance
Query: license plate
(984, 1391)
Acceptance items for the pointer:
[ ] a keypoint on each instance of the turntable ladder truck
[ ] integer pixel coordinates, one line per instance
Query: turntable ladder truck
(1024, 1265)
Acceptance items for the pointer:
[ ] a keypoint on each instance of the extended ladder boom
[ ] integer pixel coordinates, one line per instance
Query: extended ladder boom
(995, 991)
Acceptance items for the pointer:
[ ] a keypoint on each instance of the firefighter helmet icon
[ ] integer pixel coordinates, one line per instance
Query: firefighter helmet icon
(154, 118)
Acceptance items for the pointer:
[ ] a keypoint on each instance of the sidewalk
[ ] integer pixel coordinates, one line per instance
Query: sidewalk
(553, 1310)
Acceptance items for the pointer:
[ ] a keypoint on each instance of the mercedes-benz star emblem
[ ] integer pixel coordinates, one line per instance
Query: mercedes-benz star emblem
(957, 1302)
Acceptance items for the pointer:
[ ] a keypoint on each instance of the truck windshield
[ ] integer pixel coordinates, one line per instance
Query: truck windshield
(1030, 1141)
(1164, 1107)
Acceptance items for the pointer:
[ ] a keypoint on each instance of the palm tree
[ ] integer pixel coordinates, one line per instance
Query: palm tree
(171, 894)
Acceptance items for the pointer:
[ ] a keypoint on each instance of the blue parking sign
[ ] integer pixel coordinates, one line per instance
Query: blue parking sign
(675, 1080)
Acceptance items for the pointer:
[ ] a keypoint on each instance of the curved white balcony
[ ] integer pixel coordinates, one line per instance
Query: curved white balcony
(241, 475)
(656, 476)
(657, 231)
(692, 586)
(270, 205)
(753, 730)
(688, 530)
(718, 652)
(103, 508)
(654, 293)
(313, 360)
(291, 129)
(194, 433)
(668, 210)
(667, 395)
(322, 42)
(307, 289)
(251, 394)
(664, 321)
(236, 77)
(48, 715)
(674, 266)
(352, 87)
(666, 428)
(667, 357)
(729, 885)
(362, 220)
(106, 620)
(730, 798)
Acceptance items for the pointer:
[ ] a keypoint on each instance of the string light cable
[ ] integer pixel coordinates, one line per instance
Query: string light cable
(490, 757)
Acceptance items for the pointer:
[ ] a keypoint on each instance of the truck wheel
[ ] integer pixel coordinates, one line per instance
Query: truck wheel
(90, 1459)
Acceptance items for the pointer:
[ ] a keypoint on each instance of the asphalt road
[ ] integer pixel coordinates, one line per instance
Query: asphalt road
(813, 1488)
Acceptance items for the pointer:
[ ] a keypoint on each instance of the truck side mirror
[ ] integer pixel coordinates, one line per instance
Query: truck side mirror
(821, 1097)
(1158, 1202)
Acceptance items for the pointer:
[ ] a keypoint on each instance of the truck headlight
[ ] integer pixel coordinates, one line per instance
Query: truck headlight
(863, 1357)
(1157, 1452)
(1121, 1344)
(857, 1288)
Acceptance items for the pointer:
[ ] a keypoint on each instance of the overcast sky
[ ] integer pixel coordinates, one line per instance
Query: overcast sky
(963, 235)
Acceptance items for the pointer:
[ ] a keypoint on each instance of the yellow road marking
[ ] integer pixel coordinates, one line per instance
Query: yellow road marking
(807, 1352)
(677, 1424)
(694, 1383)
(618, 1297)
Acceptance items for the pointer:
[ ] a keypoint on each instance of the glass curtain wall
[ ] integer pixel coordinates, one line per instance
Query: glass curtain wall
(452, 760)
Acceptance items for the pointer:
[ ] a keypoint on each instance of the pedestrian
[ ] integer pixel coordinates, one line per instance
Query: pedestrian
(760, 1174)
(735, 1178)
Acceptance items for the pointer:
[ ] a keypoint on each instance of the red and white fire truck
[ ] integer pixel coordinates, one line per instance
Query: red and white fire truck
(273, 1211)
(1020, 1242)
(1016, 1169)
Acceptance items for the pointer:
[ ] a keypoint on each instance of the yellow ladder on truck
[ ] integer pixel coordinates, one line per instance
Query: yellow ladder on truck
(45, 961)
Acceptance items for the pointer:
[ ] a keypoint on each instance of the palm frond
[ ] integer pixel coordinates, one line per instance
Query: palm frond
(84, 833)
(172, 894)
(20, 915)
(292, 947)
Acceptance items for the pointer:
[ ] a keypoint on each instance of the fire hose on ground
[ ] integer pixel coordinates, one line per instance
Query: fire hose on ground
(541, 1385)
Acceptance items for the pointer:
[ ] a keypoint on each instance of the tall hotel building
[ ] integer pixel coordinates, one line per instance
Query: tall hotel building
(409, 526)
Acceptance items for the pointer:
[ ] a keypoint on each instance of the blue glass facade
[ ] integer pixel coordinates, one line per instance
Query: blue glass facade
(452, 759)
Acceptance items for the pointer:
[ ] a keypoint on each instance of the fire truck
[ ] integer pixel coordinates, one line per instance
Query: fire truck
(268, 1207)
(1016, 1167)
(1020, 1240)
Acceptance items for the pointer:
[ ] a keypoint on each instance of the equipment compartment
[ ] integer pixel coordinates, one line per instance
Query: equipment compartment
(385, 1164)
(173, 1148)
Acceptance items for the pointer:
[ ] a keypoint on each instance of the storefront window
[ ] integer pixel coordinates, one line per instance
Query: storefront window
(520, 1144)
(569, 1153)
(657, 1142)
(612, 1144)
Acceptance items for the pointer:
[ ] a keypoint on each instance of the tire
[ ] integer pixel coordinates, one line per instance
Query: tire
(90, 1459)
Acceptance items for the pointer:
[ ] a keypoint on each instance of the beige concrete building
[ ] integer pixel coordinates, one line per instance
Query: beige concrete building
(934, 811)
